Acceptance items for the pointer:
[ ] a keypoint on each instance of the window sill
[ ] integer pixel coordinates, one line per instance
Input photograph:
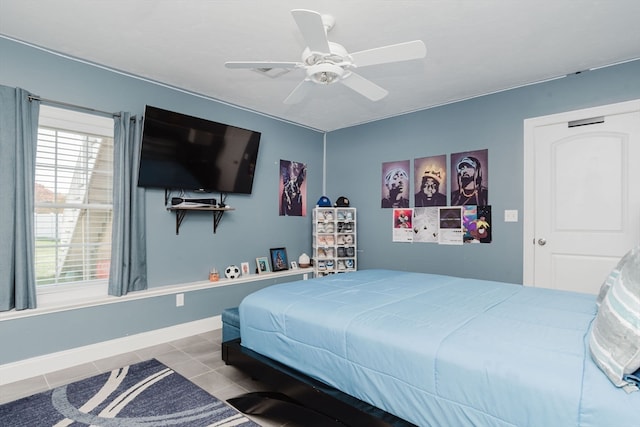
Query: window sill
(54, 304)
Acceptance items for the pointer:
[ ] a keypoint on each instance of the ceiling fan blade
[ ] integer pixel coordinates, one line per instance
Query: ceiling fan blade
(392, 53)
(364, 87)
(299, 92)
(261, 64)
(312, 29)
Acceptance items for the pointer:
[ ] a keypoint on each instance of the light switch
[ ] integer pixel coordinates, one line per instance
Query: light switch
(510, 215)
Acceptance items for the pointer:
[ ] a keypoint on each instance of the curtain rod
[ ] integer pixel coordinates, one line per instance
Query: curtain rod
(65, 104)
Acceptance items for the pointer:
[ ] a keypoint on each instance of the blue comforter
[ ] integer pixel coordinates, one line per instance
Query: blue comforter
(442, 351)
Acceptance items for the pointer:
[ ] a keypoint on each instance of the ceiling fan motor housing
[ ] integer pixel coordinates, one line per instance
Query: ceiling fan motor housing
(327, 67)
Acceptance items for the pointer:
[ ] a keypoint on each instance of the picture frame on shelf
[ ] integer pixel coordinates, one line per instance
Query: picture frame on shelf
(262, 265)
(294, 265)
(244, 267)
(279, 261)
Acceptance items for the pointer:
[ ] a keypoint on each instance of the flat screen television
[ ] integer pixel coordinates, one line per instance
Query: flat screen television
(181, 152)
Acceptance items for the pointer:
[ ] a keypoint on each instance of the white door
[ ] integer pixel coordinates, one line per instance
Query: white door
(582, 195)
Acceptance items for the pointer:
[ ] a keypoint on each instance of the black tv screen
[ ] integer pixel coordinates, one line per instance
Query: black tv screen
(181, 152)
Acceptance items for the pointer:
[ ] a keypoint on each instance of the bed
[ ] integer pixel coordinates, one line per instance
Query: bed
(438, 350)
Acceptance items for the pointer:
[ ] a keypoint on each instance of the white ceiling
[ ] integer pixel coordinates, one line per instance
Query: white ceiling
(474, 47)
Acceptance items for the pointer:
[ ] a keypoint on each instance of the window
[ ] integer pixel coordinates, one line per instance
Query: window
(73, 199)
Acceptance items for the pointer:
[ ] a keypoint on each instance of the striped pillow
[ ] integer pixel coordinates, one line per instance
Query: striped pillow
(615, 337)
(608, 282)
(611, 278)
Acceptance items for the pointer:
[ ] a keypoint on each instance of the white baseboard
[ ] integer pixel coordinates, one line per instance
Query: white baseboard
(40, 365)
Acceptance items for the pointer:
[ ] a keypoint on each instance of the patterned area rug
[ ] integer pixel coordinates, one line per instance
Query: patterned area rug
(145, 394)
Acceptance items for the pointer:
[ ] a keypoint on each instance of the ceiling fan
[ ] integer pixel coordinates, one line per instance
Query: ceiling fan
(326, 62)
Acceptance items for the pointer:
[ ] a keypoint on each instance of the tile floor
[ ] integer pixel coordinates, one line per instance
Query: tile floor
(197, 358)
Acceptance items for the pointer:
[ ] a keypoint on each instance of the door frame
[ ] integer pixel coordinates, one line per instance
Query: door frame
(528, 221)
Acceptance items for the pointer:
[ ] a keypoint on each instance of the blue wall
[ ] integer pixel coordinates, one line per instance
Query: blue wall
(354, 158)
(243, 234)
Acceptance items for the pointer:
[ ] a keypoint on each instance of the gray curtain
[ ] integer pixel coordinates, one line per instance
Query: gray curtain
(18, 141)
(128, 270)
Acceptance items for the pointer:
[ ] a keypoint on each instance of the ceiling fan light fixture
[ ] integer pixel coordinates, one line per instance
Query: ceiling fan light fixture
(325, 73)
(325, 77)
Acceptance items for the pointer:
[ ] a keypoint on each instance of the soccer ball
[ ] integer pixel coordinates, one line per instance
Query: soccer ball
(232, 272)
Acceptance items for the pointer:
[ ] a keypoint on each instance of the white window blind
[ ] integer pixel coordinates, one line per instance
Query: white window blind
(73, 197)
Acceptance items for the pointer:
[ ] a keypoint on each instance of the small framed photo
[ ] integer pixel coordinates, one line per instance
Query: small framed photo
(294, 265)
(262, 263)
(245, 268)
(279, 260)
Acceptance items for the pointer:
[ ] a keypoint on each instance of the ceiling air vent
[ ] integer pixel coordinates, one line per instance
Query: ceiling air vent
(271, 72)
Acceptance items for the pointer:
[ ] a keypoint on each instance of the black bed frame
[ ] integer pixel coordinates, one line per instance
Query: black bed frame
(300, 398)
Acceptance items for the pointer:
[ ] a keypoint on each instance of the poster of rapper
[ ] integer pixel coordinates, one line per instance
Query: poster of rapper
(293, 188)
(430, 181)
(470, 178)
(395, 184)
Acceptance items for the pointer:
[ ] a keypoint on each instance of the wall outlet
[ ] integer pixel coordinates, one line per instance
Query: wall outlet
(179, 300)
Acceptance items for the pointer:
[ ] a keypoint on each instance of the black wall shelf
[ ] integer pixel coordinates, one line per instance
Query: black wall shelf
(181, 212)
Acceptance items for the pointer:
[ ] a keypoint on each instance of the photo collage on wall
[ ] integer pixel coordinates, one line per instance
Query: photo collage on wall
(446, 210)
